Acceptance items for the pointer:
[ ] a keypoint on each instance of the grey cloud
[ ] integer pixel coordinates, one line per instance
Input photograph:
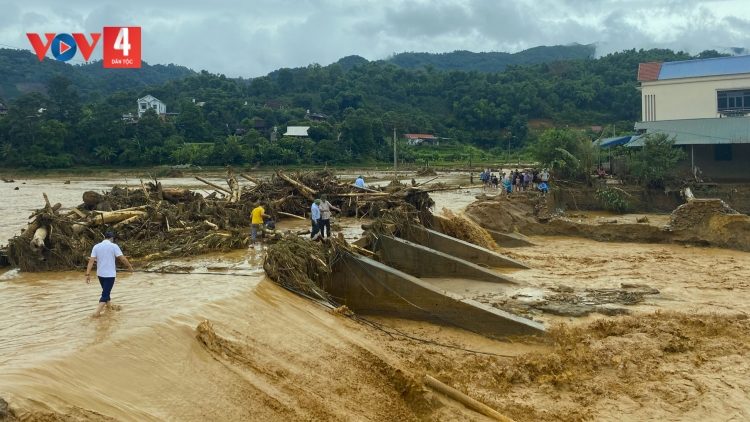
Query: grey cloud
(251, 39)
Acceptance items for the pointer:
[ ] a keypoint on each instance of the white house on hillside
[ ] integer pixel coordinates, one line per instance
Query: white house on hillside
(299, 131)
(149, 102)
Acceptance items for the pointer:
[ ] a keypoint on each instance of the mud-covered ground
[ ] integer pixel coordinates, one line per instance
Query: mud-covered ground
(266, 354)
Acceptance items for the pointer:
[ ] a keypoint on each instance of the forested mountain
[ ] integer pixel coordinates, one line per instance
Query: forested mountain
(21, 72)
(487, 110)
(492, 61)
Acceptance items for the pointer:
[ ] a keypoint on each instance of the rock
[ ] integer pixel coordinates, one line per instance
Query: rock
(610, 310)
(91, 198)
(16, 188)
(4, 410)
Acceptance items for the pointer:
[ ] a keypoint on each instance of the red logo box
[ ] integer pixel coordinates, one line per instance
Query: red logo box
(122, 46)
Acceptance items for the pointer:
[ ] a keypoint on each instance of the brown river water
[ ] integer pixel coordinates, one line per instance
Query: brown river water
(280, 357)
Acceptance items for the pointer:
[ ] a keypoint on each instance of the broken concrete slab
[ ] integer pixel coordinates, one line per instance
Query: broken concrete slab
(509, 240)
(460, 249)
(370, 287)
(421, 261)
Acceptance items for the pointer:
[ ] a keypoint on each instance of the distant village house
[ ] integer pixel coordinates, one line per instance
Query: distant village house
(297, 131)
(150, 103)
(421, 139)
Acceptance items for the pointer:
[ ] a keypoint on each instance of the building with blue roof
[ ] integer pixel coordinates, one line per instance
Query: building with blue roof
(704, 105)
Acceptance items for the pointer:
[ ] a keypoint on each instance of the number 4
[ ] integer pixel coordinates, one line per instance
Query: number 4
(121, 43)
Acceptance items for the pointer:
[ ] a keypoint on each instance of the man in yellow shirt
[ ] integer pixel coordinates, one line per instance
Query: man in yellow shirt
(257, 215)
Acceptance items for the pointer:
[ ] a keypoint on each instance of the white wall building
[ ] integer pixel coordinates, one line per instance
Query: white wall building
(149, 102)
(299, 131)
(695, 89)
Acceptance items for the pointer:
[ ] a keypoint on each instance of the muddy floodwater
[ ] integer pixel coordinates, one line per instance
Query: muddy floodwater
(271, 355)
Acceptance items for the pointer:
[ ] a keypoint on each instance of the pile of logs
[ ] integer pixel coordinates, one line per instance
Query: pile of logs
(154, 222)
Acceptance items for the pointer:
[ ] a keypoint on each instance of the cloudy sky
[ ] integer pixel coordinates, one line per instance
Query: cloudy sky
(252, 38)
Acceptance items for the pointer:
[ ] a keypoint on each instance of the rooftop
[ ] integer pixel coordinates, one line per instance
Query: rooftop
(296, 131)
(720, 66)
(419, 135)
(729, 130)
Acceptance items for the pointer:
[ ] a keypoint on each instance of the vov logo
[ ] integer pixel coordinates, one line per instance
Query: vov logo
(122, 46)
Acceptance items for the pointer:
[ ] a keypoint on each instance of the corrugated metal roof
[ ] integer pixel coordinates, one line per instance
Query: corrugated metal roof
(707, 67)
(649, 71)
(730, 130)
(610, 142)
(296, 131)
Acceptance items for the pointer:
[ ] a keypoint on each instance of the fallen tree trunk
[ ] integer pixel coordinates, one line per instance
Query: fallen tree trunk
(214, 185)
(126, 221)
(302, 189)
(102, 218)
(252, 179)
(292, 215)
(464, 399)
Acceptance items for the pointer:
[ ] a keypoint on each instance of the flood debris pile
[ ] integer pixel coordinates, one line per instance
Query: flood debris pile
(150, 222)
(292, 194)
(460, 227)
(153, 222)
(303, 265)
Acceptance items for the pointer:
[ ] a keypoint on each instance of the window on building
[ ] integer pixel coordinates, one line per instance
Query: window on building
(723, 152)
(143, 106)
(733, 100)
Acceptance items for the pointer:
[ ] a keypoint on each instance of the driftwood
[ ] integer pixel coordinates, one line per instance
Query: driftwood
(101, 218)
(175, 195)
(302, 189)
(292, 215)
(464, 399)
(126, 221)
(214, 185)
(252, 179)
(77, 212)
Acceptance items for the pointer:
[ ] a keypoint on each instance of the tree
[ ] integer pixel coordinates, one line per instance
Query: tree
(656, 159)
(549, 148)
(65, 104)
(105, 153)
(190, 124)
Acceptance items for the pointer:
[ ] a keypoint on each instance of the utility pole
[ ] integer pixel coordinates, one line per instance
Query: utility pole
(510, 135)
(395, 155)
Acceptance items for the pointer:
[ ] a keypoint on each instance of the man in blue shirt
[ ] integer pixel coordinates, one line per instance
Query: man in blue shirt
(315, 216)
(360, 183)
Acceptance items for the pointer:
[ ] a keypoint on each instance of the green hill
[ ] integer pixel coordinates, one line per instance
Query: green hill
(492, 61)
(21, 72)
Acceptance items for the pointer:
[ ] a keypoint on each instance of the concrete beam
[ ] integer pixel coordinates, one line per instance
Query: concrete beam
(460, 249)
(369, 287)
(509, 240)
(421, 261)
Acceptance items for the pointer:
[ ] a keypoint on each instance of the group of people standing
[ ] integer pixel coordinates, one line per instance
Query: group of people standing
(517, 181)
(320, 214)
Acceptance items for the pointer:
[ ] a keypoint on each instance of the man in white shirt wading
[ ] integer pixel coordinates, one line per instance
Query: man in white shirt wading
(105, 254)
